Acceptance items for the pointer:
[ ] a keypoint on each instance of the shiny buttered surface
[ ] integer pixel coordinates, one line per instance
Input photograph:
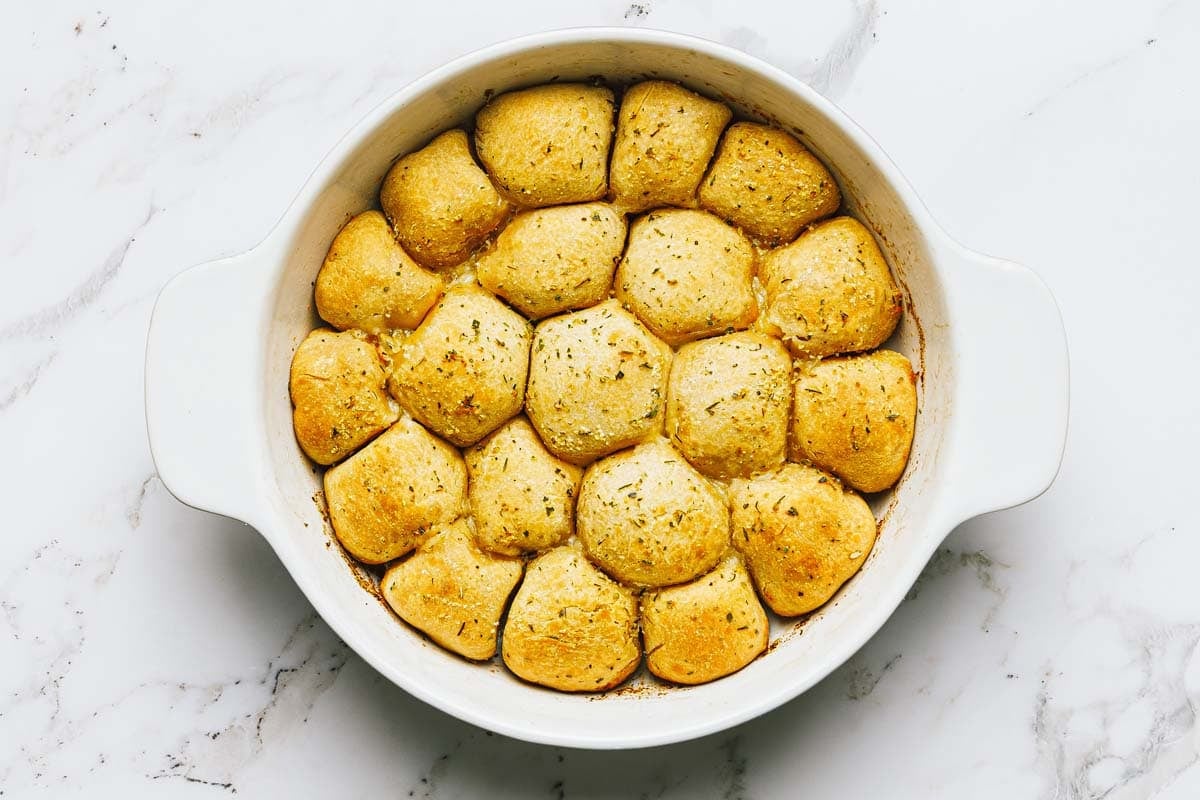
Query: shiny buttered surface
(705, 629)
(802, 533)
(548, 145)
(368, 282)
(453, 590)
(571, 627)
(555, 259)
(854, 417)
(665, 138)
(440, 203)
(522, 495)
(338, 399)
(648, 518)
(830, 291)
(462, 373)
(727, 404)
(687, 274)
(765, 182)
(387, 496)
(602, 382)
(597, 382)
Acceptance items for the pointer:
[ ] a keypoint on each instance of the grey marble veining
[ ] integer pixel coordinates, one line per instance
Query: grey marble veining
(146, 649)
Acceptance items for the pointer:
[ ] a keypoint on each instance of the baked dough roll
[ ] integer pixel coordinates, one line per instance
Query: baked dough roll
(704, 630)
(336, 385)
(522, 496)
(555, 259)
(767, 183)
(597, 381)
(687, 274)
(367, 280)
(440, 203)
(547, 145)
(665, 138)
(855, 417)
(571, 627)
(830, 291)
(387, 496)
(462, 373)
(802, 534)
(453, 591)
(647, 518)
(727, 404)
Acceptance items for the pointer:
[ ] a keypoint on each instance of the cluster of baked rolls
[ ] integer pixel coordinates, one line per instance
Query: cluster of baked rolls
(600, 382)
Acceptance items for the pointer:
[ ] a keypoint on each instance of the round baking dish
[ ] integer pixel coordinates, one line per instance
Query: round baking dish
(985, 334)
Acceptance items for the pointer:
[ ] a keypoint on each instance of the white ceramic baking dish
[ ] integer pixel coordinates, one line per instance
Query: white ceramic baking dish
(985, 333)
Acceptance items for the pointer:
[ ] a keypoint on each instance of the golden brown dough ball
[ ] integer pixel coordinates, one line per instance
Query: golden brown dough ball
(706, 629)
(571, 627)
(522, 497)
(440, 203)
(647, 518)
(387, 496)
(548, 145)
(369, 282)
(855, 416)
(336, 385)
(597, 381)
(686, 274)
(555, 259)
(728, 402)
(453, 591)
(665, 138)
(767, 183)
(802, 534)
(830, 291)
(462, 373)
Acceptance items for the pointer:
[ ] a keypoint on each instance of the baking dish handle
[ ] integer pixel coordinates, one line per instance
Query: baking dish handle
(203, 385)
(1009, 418)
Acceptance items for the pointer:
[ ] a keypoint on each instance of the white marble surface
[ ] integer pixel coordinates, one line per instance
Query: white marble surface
(149, 649)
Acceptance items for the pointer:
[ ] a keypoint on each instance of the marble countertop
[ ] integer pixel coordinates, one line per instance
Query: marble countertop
(146, 648)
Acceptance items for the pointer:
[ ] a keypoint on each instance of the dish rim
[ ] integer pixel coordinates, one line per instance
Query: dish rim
(939, 523)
